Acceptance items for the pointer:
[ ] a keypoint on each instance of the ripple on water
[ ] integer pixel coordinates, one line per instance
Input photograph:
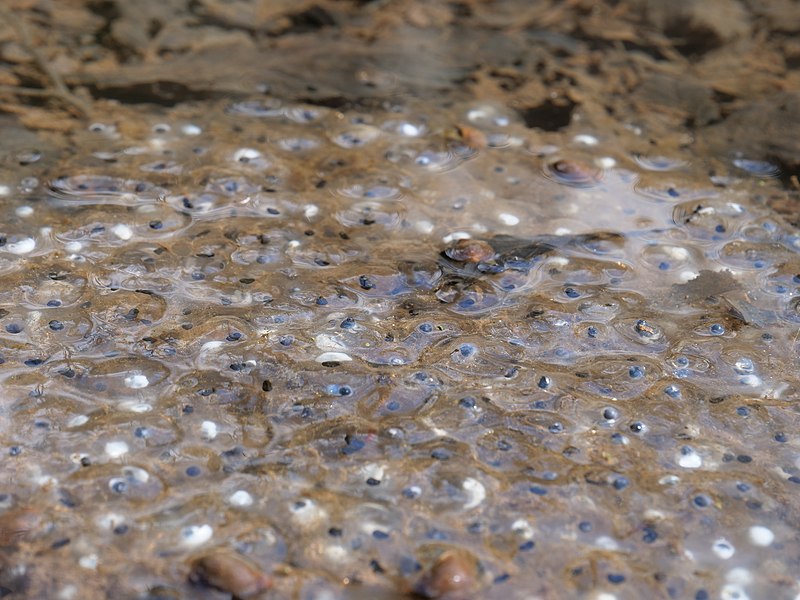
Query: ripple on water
(757, 168)
(127, 309)
(748, 255)
(659, 163)
(712, 219)
(298, 144)
(158, 221)
(467, 297)
(356, 136)
(442, 160)
(195, 204)
(52, 286)
(305, 114)
(169, 167)
(232, 186)
(666, 257)
(620, 379)
(112, 380)
(386, 214)
(256, 108)
(104, 189)
(369, 185)
(643, 332)
(671, 191)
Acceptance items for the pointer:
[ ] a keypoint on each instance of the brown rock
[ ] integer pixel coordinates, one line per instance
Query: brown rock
(230, 573)
(452, 576)
(470, 251)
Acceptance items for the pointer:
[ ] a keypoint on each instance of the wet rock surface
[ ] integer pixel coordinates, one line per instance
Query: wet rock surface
(374, 300)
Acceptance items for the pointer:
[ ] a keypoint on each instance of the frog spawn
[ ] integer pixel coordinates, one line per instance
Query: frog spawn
(321, 343)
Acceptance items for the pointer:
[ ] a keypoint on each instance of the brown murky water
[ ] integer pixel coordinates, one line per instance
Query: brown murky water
(308, 345)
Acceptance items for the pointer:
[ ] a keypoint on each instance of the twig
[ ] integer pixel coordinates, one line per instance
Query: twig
(60, 88)
(23, 91)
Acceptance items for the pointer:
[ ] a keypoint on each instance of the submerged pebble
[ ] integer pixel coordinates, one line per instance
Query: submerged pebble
(231, 573)
(470, 251)
(572, 173)
(453, 575)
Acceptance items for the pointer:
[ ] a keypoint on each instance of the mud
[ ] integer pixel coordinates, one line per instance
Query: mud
(374, 299)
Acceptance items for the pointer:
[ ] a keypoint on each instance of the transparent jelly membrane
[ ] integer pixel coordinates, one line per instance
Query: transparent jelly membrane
(280, 343)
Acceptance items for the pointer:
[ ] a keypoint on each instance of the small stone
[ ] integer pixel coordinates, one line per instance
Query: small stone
(229, 573)
(453, 575)
(470, 251)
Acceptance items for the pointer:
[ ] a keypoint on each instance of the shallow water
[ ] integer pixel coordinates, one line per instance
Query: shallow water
(257, 326)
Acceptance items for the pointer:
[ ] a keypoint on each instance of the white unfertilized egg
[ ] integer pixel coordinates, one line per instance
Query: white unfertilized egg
(240, 498)
(761, 536)
(508, 219)
(195, 535)
(136, 382)
(122, 231)
(209, 430)
(116, 449)
(23, 246)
